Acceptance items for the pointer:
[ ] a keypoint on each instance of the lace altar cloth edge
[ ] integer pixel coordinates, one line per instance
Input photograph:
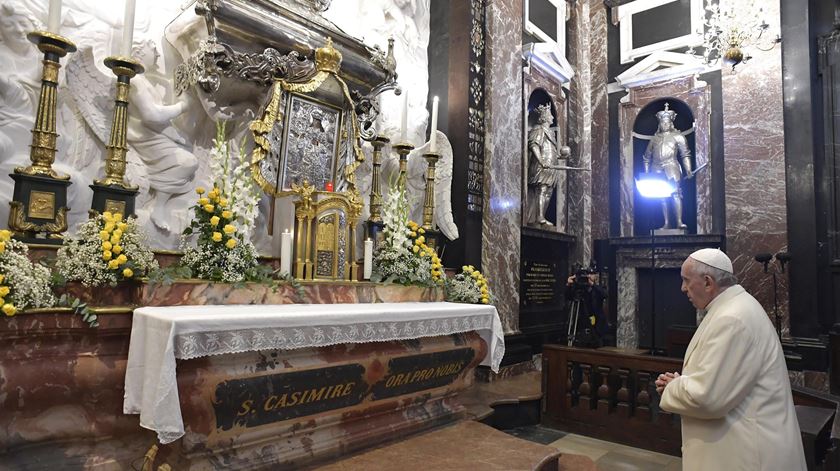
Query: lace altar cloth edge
(160, 335)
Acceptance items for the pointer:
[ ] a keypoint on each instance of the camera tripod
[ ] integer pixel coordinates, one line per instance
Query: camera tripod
(574, 317)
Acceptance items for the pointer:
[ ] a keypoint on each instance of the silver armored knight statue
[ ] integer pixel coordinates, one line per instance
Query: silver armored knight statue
(544, 154)
(661, 157)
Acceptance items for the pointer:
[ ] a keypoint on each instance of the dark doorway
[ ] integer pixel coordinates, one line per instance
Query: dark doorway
(672, 307)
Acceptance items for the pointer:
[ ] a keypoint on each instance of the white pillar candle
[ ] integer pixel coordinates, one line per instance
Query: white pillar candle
(286, 252)
(433, 133)
(128, 28)
(54, 18)
(559, 137)
(404, 118)
(368, 267)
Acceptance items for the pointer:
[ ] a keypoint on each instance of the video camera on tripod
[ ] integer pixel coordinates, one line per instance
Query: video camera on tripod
(581, 284)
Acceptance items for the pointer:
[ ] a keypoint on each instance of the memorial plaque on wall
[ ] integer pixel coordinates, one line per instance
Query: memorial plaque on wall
(539, 284)
(543, 273)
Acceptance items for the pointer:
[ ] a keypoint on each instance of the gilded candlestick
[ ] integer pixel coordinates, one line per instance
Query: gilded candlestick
(403, 149)
(375, 187)
(125, 68)
(38, 210)
(44, 136)
(429, 200)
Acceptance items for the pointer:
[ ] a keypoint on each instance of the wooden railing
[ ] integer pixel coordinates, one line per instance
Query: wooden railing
(609, 395)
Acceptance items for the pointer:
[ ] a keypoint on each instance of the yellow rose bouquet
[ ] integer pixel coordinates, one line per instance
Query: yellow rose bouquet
(23, 284)
(469, 286)
(107, 249)
(223, 220)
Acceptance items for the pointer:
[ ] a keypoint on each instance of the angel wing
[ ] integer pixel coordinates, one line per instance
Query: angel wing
(92, 91)
(416, 183)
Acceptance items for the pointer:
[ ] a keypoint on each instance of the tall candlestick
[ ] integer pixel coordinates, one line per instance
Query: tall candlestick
(404, 122)
(559, 137)
(368, 258)
(128, 28)
(433, 137)
(286, 252)
(54, 19)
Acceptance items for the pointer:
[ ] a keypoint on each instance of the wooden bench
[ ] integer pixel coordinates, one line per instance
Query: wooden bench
(464, 445)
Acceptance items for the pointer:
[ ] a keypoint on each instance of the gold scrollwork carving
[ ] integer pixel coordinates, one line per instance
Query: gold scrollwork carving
(18, 222)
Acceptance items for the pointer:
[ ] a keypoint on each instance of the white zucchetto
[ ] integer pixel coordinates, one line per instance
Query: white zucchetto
(713, 258)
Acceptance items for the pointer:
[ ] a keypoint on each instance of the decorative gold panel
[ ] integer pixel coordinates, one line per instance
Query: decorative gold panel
(115, 206)
(41, 205)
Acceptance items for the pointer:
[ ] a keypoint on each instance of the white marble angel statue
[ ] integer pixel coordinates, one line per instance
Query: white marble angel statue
(165, 153)
(416, 183)
(19, 80)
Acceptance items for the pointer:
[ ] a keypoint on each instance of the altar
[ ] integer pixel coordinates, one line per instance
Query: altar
(286, 385)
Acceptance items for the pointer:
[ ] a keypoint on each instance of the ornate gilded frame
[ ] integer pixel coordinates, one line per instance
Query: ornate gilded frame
(327, 66)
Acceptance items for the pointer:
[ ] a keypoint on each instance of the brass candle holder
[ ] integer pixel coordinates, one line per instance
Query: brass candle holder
(113, 193)
(403, 149)
(39, 202)
(429, 200)
(375, 187)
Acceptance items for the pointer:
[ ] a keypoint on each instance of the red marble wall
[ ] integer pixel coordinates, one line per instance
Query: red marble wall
(754, 164)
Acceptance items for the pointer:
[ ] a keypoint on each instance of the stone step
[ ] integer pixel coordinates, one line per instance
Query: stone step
(481, 398)
(463, 445)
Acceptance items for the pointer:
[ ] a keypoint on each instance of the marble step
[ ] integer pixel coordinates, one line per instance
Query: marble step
(481, 398)
(466, 444)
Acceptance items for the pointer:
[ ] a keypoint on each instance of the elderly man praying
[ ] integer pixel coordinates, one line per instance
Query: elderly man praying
(733, 395)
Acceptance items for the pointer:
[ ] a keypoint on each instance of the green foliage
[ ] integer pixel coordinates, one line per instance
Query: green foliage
(79, 308)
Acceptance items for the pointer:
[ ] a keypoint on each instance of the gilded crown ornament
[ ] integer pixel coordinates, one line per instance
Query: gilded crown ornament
(328, 58)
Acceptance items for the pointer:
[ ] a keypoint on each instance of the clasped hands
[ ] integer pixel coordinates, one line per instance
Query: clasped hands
(664, 379)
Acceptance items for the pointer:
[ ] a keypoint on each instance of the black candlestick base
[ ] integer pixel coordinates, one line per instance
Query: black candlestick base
(38, 212)
(113, 198)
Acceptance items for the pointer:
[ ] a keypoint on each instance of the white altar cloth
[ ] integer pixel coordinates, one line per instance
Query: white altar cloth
(160, 335)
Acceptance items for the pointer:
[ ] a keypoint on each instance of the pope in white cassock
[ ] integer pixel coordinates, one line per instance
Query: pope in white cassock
(733, 395)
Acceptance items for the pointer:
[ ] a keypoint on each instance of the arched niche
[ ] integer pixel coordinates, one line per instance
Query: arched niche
(539, 96)
(647, 213)
(693, 96)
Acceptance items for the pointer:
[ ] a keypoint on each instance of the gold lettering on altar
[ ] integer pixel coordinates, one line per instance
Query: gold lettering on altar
(297, 398)
(423, 374)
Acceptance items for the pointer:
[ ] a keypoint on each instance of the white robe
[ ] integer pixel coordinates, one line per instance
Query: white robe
(734, 395)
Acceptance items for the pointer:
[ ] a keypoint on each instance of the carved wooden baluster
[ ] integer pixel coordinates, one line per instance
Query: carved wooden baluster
(604, 390)
(585, 388)
(643, 397)
(623, 395)
(570, 371)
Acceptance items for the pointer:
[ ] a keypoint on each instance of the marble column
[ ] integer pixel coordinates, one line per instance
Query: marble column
(503, 157)
(754, 149)
(627, 331)
(580, 130)
(600, 218)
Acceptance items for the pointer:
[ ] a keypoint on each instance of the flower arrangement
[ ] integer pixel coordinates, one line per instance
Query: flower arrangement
(403, 256)
(106, 250)
(22, 284)
(417, 238)
(469, 286)
(224, 219)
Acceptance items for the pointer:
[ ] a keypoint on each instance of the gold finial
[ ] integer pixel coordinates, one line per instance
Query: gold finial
(327, 58)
